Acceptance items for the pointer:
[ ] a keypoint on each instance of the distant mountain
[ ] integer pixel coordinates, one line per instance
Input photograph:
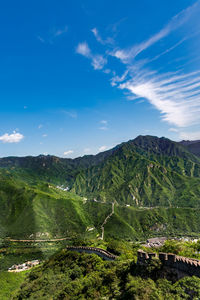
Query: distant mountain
(154, 182)
(146, 171)
(192, 146)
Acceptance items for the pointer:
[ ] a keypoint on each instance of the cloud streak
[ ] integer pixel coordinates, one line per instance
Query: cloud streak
(175, 94)
(99, 39)
(177, 97)
(97, 61)
(52, 35)
(127, 55)
(68, 152)
(102, 148)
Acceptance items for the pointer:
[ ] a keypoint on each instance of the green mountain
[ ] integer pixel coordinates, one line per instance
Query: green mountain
(192, 146)
(154, 182)
(147, 171)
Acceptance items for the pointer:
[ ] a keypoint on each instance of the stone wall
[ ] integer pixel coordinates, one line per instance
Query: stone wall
(100, 252)
(187, 266)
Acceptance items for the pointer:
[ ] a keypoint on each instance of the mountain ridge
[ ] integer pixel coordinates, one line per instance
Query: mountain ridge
(152, 181)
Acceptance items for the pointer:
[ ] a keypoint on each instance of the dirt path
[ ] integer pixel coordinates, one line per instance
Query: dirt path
(106, 219)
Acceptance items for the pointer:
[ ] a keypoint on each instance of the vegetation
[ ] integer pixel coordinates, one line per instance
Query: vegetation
(183, 248)
(70, 275)
(155, 185)
(9, 283)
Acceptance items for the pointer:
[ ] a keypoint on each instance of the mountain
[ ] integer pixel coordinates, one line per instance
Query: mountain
(154, 182)
(192, 146)
(147, 171)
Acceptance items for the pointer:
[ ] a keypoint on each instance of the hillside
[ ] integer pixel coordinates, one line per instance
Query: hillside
(147, 171)
(192, 146)
(140, 176)
(71, 275)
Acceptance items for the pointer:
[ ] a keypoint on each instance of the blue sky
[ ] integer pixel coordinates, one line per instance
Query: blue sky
(79, 77)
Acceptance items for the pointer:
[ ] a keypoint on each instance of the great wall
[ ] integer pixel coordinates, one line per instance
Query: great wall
(100, 252)
(182, 265)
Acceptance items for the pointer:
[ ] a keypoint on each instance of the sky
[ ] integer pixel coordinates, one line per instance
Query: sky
(79, 77)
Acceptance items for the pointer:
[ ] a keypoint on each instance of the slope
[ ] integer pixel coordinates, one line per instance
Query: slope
(192, 146)
(147, 171)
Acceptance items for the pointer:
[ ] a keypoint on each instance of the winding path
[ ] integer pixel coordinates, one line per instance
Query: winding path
(106, 219)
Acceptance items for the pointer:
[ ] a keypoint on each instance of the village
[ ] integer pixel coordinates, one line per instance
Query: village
(25, 266)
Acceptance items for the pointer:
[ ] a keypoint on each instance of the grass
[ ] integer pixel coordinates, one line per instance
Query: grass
(10, 283)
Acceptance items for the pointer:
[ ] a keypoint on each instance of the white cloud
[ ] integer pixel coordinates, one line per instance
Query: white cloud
(176, 96)
(173, 129)
(103, 128)
(68, 152)
(44, 135)
(83, 49)
(105, 123)
(190, 135)
(126, 55)
(102, 148)
(14, 137)
(87, 150)
(98, 61)
(116, 79)
(99, 38)
(40, 126)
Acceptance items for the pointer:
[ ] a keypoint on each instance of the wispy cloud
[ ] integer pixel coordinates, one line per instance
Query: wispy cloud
(71, 113)
(172, 129)
(103, 128)
(176, 96)
(99, 39)
(98, 61)
(102, 148)
(14, 137)
(83, 49)
(190, 135)
(59, 31)
(68, 152)
(104, 125)
(52, 34)
(87, 150)
(105, 122)
(127, 55)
